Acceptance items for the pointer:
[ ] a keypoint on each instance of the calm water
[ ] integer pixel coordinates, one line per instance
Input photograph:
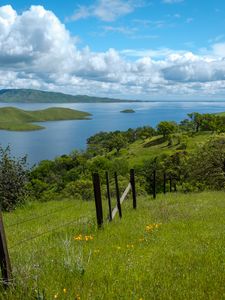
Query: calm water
(63, 136)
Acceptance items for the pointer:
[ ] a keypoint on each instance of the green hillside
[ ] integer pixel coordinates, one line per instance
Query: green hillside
(37, 96)
(171, 248)
(141, 150)
(12, 118)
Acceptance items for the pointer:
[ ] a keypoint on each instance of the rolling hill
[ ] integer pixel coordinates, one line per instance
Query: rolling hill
(15, 119)
(37, 96)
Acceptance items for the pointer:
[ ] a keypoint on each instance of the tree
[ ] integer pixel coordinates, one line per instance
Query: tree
(207, 165)
(119, 142)
(196, 118)
(13, 179)
(166, 128)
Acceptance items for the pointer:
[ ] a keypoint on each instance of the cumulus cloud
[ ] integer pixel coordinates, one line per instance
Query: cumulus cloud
(37, 51)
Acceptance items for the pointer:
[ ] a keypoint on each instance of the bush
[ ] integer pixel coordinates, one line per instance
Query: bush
(80, 189)
(13, 179)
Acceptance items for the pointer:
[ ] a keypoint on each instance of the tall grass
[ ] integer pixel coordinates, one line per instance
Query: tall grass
(169, 248)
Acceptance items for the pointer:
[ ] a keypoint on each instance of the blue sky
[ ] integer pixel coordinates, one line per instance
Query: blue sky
(165, 49)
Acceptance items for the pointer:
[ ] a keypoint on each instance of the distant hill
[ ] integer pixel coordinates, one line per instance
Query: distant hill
(37, 96)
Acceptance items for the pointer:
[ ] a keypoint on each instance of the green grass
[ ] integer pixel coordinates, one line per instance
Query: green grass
(15, 119)
(183, 258)
(142, 150)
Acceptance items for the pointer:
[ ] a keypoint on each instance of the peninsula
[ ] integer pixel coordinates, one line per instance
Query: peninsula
(14, 119)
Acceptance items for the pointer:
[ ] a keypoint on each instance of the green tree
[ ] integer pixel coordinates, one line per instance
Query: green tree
(13, 179)
(166, 128)
(196, 119)
(206, 167)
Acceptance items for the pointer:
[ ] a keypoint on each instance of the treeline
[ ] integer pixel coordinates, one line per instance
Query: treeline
(71, 175)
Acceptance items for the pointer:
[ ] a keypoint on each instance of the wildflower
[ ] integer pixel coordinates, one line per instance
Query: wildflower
(151, 227)
(118, 247)
(77, 297)
(83, 238)
(78, 238)
(130, 246)
(64, 290)
(56, 296)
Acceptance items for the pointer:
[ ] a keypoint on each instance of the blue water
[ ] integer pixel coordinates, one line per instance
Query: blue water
(63, 137)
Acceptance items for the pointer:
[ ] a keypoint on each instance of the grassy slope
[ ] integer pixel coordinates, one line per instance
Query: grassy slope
(12, 118)
(181, 259)
(140, 151)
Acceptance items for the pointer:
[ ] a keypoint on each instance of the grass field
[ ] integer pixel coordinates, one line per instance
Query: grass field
(169, 248)
(15, 119)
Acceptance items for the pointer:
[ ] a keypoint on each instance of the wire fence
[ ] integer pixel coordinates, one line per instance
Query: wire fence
(4, 255)
(64, 225)
(39, 216)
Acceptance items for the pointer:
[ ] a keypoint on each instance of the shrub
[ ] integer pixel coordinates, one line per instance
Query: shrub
(80, 188)
(13, 179)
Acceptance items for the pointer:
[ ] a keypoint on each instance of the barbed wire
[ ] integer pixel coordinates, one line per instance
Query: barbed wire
(38, 217)
(49, 231)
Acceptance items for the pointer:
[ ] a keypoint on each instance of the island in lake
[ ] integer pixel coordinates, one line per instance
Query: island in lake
(128, 111)
(15, 119)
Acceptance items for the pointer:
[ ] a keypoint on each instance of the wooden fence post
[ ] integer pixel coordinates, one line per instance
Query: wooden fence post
(98, 199)
(154, 184)
(118, 196)
(108, 196)
(164, 183)
(133, 189)
(4, 256)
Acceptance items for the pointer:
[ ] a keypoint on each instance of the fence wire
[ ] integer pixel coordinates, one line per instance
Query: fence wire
(23, 241)
(38, 217)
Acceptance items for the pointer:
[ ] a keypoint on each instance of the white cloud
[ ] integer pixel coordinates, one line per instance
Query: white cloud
(105, 10)
(36, 51)
(172, 1)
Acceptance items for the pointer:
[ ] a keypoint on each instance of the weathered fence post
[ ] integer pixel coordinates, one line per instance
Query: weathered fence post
(4, 256)
(118, 196)
(164, 183)
(133, 189)
(170, 184)
(154, 184)
(98, 199)
(108, 196)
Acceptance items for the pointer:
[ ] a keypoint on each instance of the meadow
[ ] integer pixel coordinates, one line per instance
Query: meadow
(169, 248)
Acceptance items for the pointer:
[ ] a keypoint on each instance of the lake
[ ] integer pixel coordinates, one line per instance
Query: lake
(62, 137)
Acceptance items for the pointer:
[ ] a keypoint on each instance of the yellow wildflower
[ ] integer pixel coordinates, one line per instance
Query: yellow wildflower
(64, 290)
(56, 296)
(78, 238)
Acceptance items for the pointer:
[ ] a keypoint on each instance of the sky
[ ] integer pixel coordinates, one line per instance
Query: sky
(134, 49)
